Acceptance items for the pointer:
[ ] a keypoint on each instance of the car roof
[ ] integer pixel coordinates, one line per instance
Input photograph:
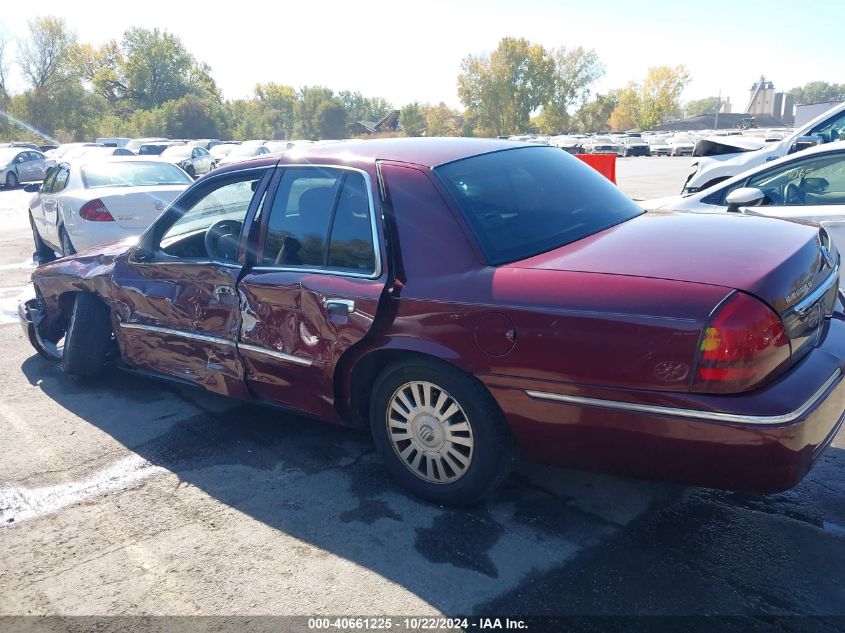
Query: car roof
(84, 159)
(427, 152)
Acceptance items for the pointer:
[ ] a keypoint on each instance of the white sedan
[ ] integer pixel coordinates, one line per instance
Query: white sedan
(87, 203)
(808, 186)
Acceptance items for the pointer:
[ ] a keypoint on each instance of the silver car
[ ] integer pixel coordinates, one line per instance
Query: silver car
(23, 165)
(196, 161)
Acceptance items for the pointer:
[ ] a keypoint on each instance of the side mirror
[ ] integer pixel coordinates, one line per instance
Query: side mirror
(32, 188)
(744, 197)
(804, 142)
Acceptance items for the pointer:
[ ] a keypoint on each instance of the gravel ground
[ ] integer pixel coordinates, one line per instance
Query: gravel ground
(124, 495)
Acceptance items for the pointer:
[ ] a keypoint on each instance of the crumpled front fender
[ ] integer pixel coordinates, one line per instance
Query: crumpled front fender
(88, 271)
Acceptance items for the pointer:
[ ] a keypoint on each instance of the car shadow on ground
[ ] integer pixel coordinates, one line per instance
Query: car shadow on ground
(549, 541)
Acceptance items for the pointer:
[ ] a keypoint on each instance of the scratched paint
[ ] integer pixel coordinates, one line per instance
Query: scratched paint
(18, 504)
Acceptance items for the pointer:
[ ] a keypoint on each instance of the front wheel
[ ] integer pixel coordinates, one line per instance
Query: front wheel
(43, 253)
(440, 433)
(11, 180)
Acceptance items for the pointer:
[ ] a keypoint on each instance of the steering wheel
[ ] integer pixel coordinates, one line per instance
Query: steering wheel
(792, 194)
(222, 231)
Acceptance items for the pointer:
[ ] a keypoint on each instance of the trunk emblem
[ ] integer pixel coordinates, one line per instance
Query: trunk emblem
(159, 205)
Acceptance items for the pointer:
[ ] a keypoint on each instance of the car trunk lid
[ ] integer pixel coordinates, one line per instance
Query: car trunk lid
(792, 267)
(137, 207)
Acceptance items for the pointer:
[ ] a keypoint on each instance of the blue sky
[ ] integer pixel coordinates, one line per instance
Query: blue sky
(406, 51)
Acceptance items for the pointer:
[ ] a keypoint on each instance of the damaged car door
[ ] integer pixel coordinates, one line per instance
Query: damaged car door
(176, 299)
(315, 286)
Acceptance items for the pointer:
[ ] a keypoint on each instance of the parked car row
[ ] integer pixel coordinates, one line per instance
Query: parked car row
(512, 300)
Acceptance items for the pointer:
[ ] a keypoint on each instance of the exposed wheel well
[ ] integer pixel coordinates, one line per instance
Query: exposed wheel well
(355, 406)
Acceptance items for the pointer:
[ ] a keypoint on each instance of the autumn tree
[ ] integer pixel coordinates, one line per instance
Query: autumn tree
(649, 103)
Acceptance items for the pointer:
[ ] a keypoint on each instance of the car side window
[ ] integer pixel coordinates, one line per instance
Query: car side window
(812, 180)
(60, 182)
(20, 158)
(195, 153)
(210, 225)
(47, 187)
(831, 130)
(321, 218)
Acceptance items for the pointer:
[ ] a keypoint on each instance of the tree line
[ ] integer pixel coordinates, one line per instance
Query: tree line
(146, 83)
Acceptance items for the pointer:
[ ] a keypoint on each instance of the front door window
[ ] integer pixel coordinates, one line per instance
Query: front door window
(211, 225)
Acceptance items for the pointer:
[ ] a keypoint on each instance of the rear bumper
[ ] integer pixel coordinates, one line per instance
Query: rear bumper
(764, 441)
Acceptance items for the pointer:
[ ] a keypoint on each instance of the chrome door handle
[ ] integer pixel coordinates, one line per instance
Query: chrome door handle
(224, 290)
(344, 306)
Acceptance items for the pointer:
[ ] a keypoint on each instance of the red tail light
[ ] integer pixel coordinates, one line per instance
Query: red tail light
(744, 345)
(95, 211)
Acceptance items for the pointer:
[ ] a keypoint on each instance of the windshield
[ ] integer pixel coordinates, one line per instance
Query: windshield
(525, 201)
(132, 174)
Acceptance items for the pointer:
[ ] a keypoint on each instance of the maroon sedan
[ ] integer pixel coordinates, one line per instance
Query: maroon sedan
(468, 299)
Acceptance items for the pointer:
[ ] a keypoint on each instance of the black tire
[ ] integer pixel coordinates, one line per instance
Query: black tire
(11, 180)
(191, 171)
(493, 451)
(43, 253)
(66, 244)
(87, 337)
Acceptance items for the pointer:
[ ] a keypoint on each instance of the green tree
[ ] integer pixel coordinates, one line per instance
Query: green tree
(157, 67)
(43, 57)
(504, 88)
(330, 119)
(412, 120)
(576, 70)
(697, 107)
(305, 110)
(193, 117)
(440, 120)
(361, 108)
(595, 115)
(818, 91)
(278, 102)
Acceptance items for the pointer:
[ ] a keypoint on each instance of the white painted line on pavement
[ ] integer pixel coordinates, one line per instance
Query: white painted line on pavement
(21, 504)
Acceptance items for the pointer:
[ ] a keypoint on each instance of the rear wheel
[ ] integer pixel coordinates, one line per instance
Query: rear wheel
(11, 180)
(440, 433)
(67, 245)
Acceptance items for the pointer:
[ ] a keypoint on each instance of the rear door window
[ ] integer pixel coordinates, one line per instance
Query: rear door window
(321, 219)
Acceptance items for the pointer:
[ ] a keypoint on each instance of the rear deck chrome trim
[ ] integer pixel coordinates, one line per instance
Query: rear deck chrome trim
(710, 416)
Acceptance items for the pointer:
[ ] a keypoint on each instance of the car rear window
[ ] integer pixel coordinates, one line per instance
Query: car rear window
(522, 202)
(132, 174)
